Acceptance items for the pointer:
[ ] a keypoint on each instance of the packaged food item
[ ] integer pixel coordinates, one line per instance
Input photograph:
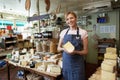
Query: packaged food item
(53, 47)
(38, 46)
(69, 46)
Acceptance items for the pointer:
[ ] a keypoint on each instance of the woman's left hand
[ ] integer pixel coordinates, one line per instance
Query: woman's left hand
(71, 53)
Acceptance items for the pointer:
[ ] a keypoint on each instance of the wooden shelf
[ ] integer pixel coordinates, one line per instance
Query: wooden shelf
(4, 53)
(8, 41)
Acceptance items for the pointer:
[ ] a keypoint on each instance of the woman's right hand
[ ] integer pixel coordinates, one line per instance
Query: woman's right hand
(69, 52)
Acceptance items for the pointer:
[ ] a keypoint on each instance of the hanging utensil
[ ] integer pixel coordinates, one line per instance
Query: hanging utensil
(27, 4)
(37, 6)
(58, 9)
(47, 2)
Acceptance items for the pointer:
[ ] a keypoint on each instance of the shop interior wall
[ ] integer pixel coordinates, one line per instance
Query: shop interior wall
(113, 20)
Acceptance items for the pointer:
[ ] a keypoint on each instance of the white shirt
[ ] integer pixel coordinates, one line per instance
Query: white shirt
(82, 32)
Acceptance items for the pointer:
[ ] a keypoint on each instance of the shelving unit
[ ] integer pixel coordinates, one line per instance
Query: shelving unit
(8, 42)
(102, 45)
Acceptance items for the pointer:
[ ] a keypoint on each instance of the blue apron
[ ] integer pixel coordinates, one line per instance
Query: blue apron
(73, 65)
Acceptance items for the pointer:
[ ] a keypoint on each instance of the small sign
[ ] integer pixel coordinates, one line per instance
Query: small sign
(108, 29)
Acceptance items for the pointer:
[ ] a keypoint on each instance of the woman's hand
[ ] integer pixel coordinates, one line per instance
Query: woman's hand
(69, 52)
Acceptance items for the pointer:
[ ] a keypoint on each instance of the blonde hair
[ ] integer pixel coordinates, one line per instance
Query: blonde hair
(70, 12)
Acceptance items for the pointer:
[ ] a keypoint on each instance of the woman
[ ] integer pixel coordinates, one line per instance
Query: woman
(73, 62)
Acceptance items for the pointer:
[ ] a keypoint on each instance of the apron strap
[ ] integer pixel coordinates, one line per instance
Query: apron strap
(67, 31)
(77, 31)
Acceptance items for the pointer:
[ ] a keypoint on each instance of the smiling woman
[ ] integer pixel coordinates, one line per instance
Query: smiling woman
(74, 58)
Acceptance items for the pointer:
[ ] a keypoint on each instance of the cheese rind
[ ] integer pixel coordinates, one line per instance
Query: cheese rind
(111, 50)
(110, 62)
(110, 56)
(53, 68)
(107, 75)
(42, 68)
(107, 67)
